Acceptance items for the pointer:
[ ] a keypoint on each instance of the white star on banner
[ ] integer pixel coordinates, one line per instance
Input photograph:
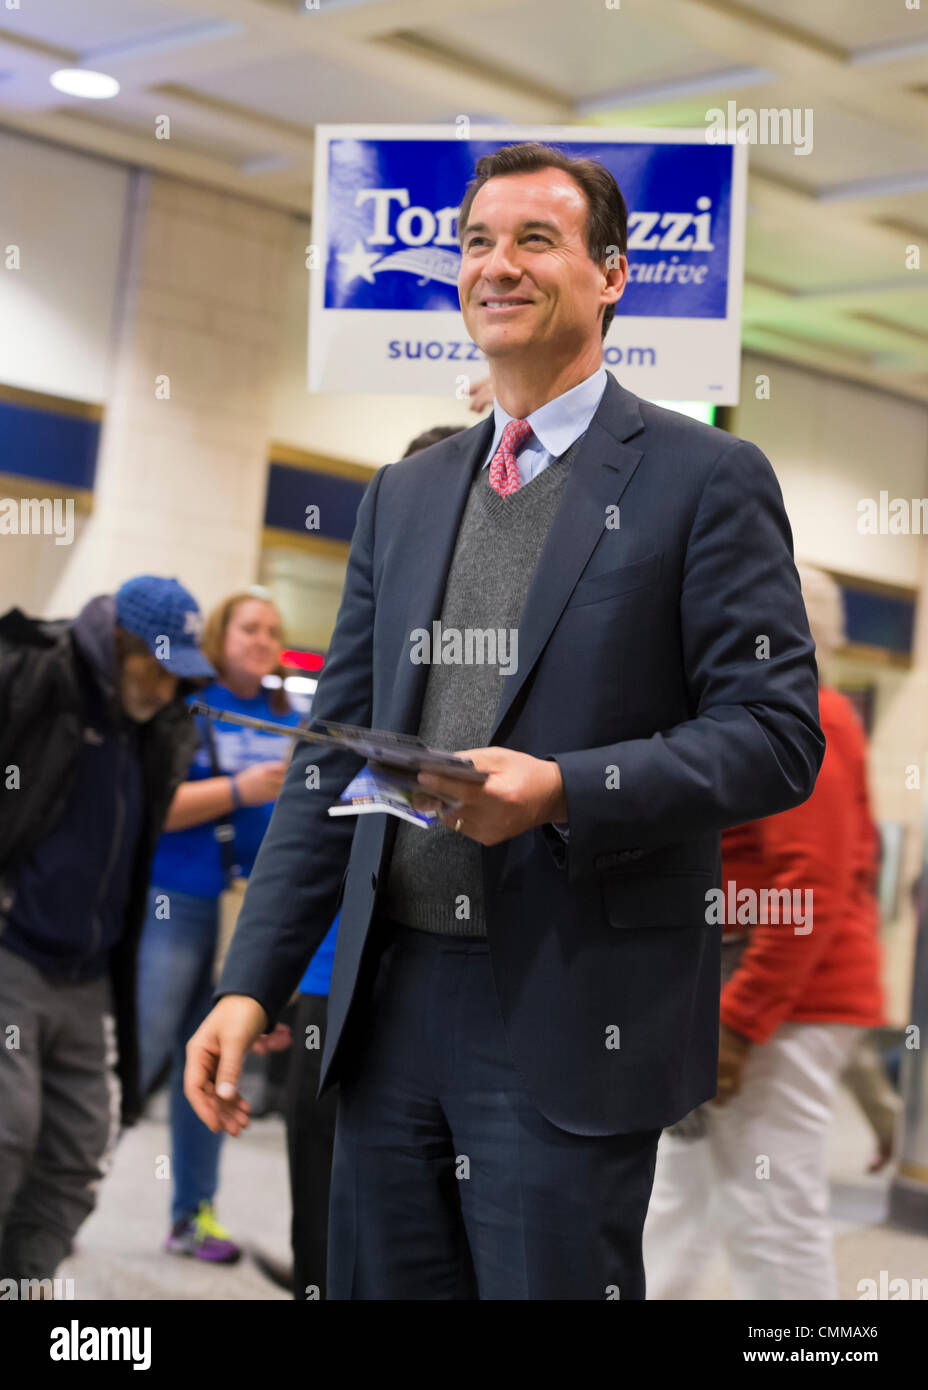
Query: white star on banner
(358, 262)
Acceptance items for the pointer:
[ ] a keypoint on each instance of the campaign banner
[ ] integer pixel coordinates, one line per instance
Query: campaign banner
(384, 314)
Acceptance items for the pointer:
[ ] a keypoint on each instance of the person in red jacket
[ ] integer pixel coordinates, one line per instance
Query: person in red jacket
(800, 983)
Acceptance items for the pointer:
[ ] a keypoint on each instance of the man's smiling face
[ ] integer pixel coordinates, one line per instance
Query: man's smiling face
(526, 276)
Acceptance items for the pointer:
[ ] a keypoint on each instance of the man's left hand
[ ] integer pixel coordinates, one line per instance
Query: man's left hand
(520, 793)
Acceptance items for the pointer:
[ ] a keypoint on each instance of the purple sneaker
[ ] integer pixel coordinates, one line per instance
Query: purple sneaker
(202, 1237)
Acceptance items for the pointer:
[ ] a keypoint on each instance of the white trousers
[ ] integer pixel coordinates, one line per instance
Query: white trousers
(756, 1179)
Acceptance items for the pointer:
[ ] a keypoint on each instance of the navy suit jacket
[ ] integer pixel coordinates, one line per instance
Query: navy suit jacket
(665, 662)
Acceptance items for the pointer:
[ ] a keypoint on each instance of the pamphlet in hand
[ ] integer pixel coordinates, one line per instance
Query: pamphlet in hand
(389, 779)
(399, 752)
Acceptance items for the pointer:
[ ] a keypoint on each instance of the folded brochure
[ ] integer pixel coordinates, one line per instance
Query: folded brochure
(376, 789)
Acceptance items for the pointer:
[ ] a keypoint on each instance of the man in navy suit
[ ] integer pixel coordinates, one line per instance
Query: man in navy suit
(595, 601)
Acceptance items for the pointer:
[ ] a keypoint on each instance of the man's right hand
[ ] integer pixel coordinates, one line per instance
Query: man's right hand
(214, 1062)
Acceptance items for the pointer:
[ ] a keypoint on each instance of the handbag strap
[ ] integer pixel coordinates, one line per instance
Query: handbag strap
(224, 828)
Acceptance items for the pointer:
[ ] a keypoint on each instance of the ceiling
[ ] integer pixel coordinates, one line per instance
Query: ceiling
(245, 81)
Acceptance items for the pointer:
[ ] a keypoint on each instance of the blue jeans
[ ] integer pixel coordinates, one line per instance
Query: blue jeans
(175, 990)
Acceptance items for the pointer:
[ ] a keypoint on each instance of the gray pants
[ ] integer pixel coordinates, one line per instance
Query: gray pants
(59, 1112)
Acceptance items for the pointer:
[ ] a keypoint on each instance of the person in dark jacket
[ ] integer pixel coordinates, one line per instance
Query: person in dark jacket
(95, 737)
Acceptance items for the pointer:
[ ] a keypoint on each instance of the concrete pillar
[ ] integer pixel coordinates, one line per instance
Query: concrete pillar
(183, 455)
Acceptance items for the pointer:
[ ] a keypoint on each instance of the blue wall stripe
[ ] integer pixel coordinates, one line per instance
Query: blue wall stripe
(48, 447)
(879, 620)
(291, 490)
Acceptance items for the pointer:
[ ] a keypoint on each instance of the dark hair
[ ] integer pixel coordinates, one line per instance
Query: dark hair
(607, 217)
(130, 644)
(433, 436)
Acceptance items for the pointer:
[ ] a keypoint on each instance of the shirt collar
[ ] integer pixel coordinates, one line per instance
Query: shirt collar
(557, 423)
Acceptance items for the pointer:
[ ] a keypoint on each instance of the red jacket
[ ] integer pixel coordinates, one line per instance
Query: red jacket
(828, 845)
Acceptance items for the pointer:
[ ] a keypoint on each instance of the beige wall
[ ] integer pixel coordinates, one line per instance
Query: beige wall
(833, 443)
(66, 215)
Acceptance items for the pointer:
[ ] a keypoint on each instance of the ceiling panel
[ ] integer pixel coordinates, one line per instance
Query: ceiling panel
(789, 256)
(188, 132)
(848, 24)
(845, 145)
(907, 311)
(88, 24)
(306, 90)
(579, 50)
(907, 214)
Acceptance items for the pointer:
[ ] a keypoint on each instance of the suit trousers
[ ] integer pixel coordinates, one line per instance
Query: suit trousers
(310, 1135)
(447, 1182)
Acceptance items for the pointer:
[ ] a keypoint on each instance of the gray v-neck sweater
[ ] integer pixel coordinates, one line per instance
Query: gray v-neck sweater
(435, 877)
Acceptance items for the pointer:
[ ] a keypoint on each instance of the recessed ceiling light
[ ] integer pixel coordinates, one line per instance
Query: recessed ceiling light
(79, 82)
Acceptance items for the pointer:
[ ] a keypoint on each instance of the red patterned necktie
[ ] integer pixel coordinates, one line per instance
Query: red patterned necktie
(504, 471)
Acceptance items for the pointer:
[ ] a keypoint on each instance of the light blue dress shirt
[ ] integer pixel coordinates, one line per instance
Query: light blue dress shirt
(555, 426)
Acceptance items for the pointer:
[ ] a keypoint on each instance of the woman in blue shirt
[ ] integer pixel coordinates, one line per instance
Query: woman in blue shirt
(242, 639)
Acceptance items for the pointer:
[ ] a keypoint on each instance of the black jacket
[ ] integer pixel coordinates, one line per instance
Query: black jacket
(46, 674)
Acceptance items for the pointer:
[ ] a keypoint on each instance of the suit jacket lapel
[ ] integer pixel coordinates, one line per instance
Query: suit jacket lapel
(428, 559)
(599, 474)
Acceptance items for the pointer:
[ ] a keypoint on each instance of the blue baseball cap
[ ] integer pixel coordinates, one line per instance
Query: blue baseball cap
(168, 618)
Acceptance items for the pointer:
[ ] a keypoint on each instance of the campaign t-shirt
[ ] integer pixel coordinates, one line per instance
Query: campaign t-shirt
(189, 861)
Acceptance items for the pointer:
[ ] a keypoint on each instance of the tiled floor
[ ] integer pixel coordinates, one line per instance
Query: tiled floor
(118, 1251)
